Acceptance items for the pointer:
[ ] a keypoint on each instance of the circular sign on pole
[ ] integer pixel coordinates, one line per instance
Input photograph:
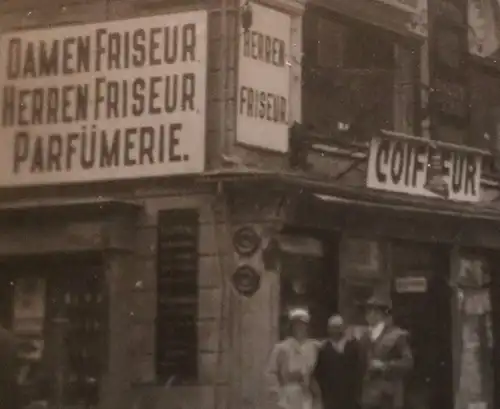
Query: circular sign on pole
(246, 241)
(246, 280)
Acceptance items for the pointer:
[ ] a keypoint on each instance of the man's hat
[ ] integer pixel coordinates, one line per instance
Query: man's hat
(382, 303)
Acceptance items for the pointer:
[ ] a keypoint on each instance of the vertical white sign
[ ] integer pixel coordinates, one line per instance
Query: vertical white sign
(264, 80)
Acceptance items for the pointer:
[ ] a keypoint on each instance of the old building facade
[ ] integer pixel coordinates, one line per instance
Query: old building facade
(152, 262)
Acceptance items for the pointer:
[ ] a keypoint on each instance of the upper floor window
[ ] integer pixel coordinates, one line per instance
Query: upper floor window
(485, 112)
(357, 75)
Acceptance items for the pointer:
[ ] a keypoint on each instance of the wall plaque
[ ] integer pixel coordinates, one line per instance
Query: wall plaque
(246, 280)
(246, 241)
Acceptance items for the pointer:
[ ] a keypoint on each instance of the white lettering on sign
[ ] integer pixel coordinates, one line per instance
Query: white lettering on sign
(401, 166)
(264, 80)
(104, 101)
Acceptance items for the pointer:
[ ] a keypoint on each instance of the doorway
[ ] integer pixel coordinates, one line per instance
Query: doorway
(422, 305)
(309, 277)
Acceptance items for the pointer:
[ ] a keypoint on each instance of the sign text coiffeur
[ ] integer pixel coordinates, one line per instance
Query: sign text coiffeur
(264, 80)
(104, 101)
(401, 166)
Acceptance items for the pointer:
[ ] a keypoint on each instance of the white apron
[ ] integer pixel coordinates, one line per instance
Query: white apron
(289, 373)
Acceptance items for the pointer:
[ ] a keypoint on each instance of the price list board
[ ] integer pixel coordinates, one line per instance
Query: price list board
(177, 305)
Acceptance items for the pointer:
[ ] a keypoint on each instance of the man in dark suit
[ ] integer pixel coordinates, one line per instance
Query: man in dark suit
(387, 358)
(338, 369)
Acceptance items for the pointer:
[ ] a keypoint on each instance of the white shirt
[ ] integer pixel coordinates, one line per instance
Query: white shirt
(376, 331)
(339, 345)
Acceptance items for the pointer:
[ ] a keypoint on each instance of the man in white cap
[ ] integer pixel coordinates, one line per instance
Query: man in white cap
(338, 369)
(291, 364)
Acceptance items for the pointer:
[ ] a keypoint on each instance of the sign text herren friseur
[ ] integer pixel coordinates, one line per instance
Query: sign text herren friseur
(104, 101)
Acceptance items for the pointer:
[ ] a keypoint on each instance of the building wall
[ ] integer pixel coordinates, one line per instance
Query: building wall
(231, 369)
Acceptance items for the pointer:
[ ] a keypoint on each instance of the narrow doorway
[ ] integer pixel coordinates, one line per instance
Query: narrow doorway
(422, 305)
(310, 278)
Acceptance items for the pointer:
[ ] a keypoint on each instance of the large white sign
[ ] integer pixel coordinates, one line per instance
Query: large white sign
(264, 80)
(402, 165)
(117, 100)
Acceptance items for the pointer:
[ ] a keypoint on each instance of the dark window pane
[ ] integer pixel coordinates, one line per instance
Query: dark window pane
(177, 301)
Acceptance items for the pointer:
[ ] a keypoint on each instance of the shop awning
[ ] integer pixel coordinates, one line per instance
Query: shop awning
(305, 189)
(416, 205)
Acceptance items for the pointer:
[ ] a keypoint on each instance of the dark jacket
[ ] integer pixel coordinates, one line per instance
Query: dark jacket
(9, 365)
(385, 388)
(338, 375)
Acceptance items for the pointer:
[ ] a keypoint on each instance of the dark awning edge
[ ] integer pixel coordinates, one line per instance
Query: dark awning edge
(364, 197)
(297, 184)
(469, 214)
(42, 210)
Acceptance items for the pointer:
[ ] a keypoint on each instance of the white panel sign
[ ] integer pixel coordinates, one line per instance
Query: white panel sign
(484, 27)
(410, 6)
(401, 166)
(410, 285)
(264, 80)
(115, 100)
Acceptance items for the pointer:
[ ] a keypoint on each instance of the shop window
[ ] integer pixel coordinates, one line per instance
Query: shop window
(357, 75)
(59, 314)
(81, 305)
(474, 346)
(177, 305)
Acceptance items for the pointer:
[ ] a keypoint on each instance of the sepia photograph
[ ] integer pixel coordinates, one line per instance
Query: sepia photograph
(249, 204)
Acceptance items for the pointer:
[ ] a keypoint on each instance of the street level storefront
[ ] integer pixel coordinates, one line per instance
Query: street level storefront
(437, 265)
(116, 289)
(432, 248)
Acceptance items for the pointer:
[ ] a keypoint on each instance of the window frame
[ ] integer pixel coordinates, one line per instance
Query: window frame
(179, 221)
(312, 64)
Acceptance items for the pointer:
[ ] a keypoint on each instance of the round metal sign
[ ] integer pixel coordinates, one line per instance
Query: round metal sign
(246, 241)
(246, 280)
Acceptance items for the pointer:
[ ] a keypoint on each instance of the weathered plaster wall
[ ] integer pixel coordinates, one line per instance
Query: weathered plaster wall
(211, 383)
(231, 367)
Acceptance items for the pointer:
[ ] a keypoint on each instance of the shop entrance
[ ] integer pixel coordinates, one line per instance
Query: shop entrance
(57, 306)
(309, 277)
(422, 304)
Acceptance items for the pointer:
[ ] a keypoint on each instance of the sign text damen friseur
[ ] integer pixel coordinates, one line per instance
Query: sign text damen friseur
(103, 101)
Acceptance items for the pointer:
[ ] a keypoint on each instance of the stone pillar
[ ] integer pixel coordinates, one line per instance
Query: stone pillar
(253, 316)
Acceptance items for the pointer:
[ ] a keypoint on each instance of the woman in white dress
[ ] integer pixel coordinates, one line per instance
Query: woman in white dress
(291, 364)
